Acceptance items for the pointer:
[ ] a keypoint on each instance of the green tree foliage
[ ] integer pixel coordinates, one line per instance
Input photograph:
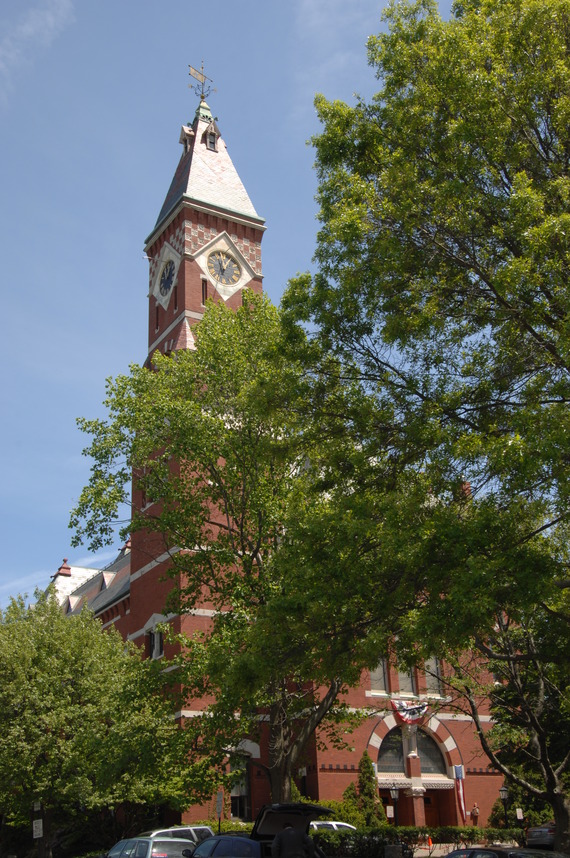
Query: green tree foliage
(85, 723)
(368, 798)
(218, 439)
(349, 810)
(442, 287)
(522, 671)
(441, 304)
(534, 812)
(360, 805)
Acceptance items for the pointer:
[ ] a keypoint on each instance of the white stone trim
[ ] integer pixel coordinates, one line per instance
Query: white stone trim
(153, 564)
(454, 716)
(250, 748)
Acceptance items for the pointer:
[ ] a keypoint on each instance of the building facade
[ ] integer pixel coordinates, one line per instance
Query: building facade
(206, 243)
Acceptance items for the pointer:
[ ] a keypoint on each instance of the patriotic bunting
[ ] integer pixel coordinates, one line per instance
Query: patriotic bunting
(409, 711)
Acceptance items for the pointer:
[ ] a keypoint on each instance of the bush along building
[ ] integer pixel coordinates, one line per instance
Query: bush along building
(430, 769)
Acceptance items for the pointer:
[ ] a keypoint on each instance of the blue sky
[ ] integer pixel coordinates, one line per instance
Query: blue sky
(92, 97)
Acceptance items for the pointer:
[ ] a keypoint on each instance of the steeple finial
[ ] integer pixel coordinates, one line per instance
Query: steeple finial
(201, 88)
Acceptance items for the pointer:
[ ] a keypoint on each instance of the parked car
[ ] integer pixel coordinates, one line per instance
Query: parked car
(152, 847)
(273, 817)
(323, 824)
(501, 852)
(541, 835)
(270, 820)
(195, 833)
(229, 846)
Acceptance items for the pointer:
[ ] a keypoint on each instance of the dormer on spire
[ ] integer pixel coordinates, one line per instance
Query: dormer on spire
(211, 136)
(186, 137)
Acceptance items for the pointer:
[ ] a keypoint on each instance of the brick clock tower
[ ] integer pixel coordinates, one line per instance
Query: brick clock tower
(206, 244)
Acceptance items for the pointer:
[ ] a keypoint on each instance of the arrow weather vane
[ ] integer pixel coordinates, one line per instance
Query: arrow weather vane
(201, 88)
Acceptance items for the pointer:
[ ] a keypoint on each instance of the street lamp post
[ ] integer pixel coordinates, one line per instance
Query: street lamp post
(394, 795)
(504, 795)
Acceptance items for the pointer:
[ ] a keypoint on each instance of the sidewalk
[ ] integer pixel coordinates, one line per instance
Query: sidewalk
(439, 849)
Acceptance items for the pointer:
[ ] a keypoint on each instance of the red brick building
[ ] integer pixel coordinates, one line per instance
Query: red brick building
(207, 243)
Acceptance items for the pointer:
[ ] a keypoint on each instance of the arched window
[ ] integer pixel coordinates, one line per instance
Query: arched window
(396, 747)
(431, 758)
(391, 753)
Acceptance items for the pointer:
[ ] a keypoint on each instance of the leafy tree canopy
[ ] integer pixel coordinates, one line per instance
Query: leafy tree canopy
(85, 722)
(442, 292)
(441, 300)
(521, 674)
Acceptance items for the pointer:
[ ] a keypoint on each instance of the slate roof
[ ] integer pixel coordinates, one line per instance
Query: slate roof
(68, 578)
(78, 586)
(205, 175)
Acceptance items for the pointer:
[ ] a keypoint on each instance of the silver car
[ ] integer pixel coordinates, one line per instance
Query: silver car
(195, 833)
(152, 847)
(541, 835)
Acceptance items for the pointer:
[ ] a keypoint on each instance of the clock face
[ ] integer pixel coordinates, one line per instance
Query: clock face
(167, 277)
(224, 268)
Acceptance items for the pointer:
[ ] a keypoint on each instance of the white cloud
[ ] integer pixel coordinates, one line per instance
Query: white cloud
(330, 21)
(24, 585)
(96, 561)
(330, 55)
(36, 28)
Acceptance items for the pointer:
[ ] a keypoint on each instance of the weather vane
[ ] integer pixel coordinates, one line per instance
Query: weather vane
(201, 88)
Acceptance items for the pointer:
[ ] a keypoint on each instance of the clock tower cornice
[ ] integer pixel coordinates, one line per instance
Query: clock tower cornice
(203, 208)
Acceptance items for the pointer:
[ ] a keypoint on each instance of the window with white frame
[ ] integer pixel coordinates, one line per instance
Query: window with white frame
(431, 758)
(407, 682)
(240, 792)
(155, 644)
(432, 667)
(379, 678)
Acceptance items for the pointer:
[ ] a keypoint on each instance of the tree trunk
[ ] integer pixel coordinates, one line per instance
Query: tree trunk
(288, 736)
(561, 806)
(280, 739)
(44, 843)
(280, 781)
